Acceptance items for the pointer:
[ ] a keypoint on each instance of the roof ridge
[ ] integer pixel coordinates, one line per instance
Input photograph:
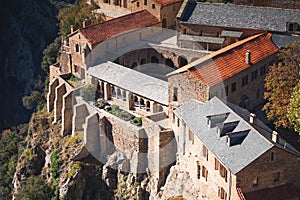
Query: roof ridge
(114, 19)
(217, 53)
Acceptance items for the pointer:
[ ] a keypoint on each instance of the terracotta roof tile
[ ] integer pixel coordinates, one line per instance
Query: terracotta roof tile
(167, 2)
(100, 32)
(282, 192)
(226, 62)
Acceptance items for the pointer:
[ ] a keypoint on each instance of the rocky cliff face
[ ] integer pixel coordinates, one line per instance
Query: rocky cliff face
(26, 28)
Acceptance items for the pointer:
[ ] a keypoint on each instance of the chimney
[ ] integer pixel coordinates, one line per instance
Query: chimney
(248, 57)
(274, 136)
(72, 28)
(85, 23)
(252, 118)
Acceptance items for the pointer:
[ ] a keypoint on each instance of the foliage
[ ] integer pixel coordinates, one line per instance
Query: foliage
(101, 103)
(137, 121)
(122, 114)
(279, 84)
(75, 82)
(54, 171)
(88, 92)
(50, 54)
(34, 101)
(75, 14)
(54, 166)
(34, 188)
(294, 109)
(11, 145)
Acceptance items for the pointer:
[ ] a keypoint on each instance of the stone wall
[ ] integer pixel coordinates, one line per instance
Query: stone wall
(254, 90)
(287, 164)
(188, 87)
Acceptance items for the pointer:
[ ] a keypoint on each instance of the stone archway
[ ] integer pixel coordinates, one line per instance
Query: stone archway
(133, 65)
(182, 61)
(143, 61)
(170, 63)
(154, 59)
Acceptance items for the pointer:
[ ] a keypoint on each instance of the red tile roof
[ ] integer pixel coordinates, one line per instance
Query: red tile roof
(99, 32)
(167, 2)
(226, 62)
(282, 192)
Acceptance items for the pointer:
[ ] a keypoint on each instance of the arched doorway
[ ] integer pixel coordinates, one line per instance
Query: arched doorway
(170, 63)
(164, 23)
(182, 61)
(133, 65)
(143, 61)
(154, 59)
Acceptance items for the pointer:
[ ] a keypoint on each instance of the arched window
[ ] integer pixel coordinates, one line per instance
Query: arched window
(143, 61)
(182, 61)
(133, 65)
(154, 59)
(170, 63)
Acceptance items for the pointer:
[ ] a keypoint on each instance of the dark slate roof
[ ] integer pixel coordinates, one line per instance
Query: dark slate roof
(195, 38)
(238, 16)
(282, 40)
(131, 80)
(235, 158)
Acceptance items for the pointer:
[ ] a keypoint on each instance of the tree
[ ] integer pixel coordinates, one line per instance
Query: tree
(75, 15)
(279, 84)
(294, 109)
(50, 54)
(33, 101)
(34, 188)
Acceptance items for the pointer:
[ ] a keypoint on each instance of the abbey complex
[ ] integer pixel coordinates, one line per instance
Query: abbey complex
(176, 85)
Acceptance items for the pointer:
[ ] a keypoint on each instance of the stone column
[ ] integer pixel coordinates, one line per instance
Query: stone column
(152, 107)
(107, 91)
(129, 98)
(116, 91)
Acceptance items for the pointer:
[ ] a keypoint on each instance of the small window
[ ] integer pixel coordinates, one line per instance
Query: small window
(204, 152)
(255, 182)
(175, 94)
(198, 170)
(272, 159)
(233, 87)
(217, 164)
(263, 70)
(137, 4)
(204, 173)
(145, 2)
(191, 136)
(221, 193)
(276, 177)
(253, 75)
(226, 90)
(178, 122)
(153, 6)
(77, 48)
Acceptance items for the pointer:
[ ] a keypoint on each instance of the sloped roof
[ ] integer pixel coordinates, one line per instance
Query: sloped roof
(239, 16)
(282, 192)
(235, 158)
(102, 31)
(167, 2)
(131, 80)
(229, 61)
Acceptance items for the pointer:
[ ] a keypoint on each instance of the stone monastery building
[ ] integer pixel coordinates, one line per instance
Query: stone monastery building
(186, 97)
